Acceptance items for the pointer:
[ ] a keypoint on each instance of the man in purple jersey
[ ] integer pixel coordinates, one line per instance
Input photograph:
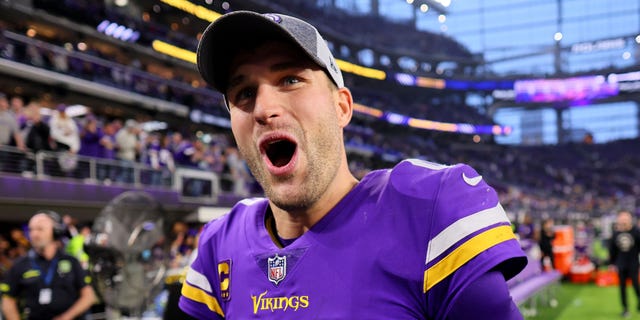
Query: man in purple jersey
(418, 241)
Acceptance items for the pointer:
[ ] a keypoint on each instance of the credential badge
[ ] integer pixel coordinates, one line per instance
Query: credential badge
(277, 268)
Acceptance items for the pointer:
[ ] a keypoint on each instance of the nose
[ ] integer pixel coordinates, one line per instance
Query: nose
(268, 104)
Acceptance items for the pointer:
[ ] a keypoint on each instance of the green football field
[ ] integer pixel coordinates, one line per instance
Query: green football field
(586, 302)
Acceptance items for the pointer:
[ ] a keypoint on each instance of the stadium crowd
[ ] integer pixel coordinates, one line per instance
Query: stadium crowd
(609, 172)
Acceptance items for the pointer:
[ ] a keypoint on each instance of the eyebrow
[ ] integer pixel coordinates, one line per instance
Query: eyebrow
(286, 65)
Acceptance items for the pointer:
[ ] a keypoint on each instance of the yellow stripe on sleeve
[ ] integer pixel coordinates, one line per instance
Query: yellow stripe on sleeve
(198, 295)
(464, 253)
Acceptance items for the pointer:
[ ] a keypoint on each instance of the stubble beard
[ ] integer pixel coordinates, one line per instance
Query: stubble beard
(323, 162)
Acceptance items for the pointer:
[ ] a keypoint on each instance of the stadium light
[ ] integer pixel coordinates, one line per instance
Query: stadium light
(196, 10)
(557, 36)
(174, 51)
(424, 7)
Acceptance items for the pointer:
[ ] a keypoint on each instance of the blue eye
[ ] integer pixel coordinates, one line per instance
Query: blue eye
(290, 80)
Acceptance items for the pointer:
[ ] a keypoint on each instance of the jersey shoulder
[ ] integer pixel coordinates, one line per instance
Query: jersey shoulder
(234, 220)
(420, 178)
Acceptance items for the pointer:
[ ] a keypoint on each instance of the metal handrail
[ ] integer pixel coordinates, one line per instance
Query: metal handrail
(45, 165)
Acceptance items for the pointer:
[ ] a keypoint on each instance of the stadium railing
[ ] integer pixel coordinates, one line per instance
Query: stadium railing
(192, 184)
(533, 287)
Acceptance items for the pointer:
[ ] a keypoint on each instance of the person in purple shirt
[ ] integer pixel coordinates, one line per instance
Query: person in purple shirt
(418, 241)
(90, 136)
(106, 169)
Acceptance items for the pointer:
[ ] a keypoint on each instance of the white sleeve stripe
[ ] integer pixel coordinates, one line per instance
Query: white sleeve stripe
(250, 201)
(199, 280)
(426, 164)
(463, 228)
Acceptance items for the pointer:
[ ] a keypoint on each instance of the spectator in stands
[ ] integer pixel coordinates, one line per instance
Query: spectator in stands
(59, 60)
(624, 248)
(17, 108)
(35, 56)
(183, 151)
(165, 159)
(59, 289)
(128, 145)
(239, 172)
(106, 170)
(160, 159)
(217, 160)
(37, 131)
(9, 129)
(65, 134)
(90, 136)
(423, 240)
(64, 131)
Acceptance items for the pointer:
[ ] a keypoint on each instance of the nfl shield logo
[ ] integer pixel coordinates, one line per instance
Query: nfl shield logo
(277, 268)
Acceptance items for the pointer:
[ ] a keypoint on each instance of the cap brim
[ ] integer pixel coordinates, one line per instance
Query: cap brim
(225, 36)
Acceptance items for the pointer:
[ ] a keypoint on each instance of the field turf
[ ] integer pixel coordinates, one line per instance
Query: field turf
(586, 302)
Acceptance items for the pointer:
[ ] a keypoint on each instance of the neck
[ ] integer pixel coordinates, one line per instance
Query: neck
(293, 224)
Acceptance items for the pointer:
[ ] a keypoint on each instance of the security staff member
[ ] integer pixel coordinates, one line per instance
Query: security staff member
(46, 284)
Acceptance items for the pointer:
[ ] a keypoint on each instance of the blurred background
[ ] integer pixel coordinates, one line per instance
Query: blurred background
(540, 97)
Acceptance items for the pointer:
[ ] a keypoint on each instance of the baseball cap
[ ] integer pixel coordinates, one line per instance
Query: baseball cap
(232, 31)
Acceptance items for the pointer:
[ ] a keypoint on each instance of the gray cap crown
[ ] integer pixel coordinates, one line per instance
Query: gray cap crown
(223, 37)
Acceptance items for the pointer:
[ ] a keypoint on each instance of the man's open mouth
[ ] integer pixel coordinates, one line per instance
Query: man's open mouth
(279, 151)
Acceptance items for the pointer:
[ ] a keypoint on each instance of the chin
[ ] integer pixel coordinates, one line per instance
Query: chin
(289, 201)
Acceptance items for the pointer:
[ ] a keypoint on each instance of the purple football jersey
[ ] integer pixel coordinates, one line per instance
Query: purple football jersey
(401, 245)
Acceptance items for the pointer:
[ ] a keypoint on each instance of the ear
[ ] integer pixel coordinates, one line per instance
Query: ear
(344, 106)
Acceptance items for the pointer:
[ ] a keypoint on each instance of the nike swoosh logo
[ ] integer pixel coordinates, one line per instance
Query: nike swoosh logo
(471, 181)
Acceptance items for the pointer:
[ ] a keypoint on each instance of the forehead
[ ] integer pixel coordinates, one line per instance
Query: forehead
(624, 217)
(40, 220)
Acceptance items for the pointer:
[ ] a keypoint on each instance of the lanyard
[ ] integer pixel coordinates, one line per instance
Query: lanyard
(52, 269)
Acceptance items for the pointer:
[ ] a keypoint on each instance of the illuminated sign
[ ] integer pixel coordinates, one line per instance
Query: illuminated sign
(569, 89)
(118, 31)
(601, 45)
